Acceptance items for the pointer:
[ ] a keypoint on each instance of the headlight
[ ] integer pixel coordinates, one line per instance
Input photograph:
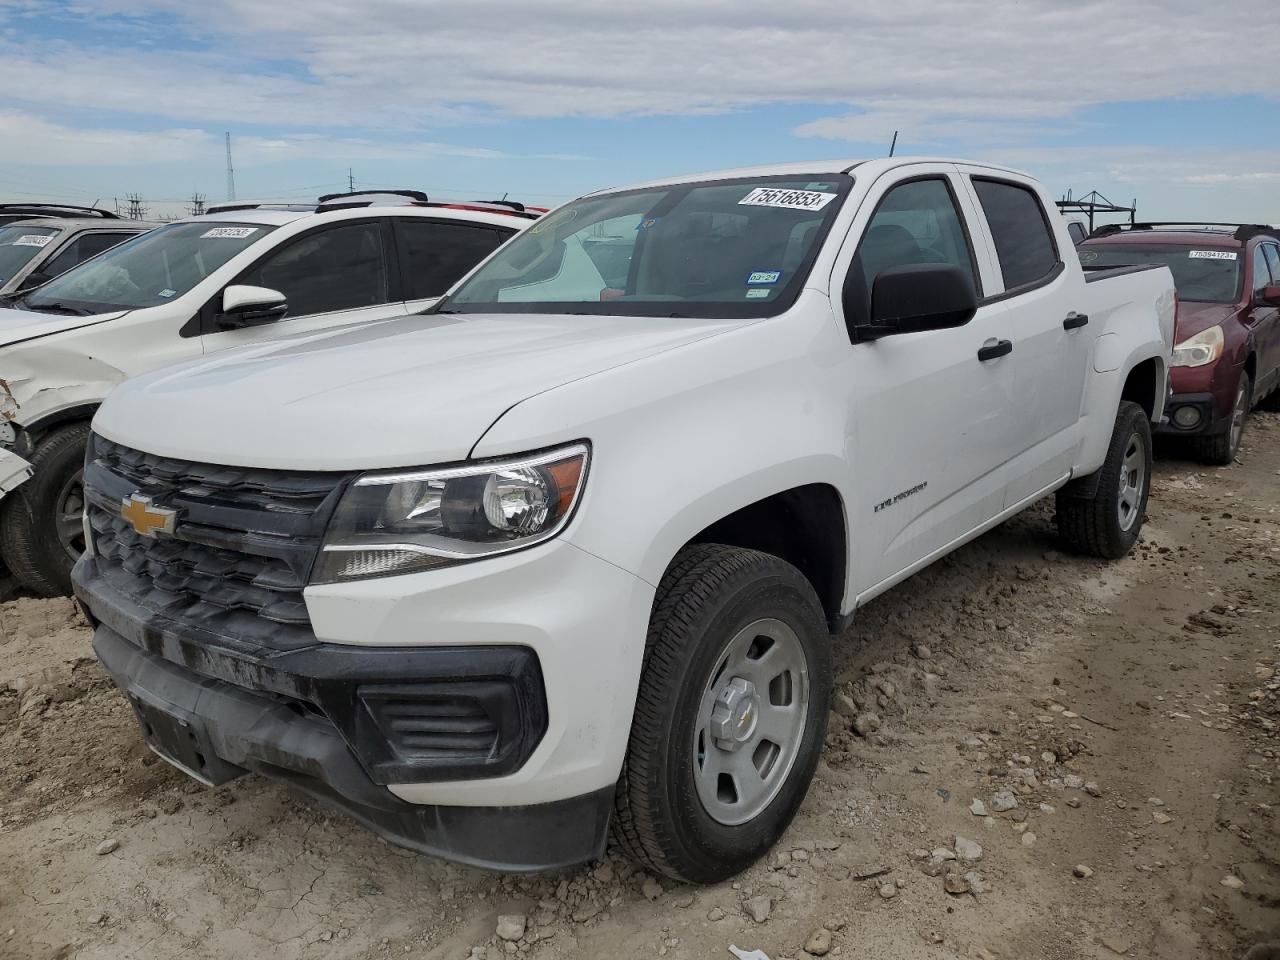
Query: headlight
(392, 523)
(1205, 347)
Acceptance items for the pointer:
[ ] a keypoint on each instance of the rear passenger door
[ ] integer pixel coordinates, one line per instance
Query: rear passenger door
(1036, 296)
(436, 254)
(331, 275)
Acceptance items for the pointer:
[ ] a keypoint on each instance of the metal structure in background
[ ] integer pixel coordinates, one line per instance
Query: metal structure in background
(1093, 203)
(231, 172)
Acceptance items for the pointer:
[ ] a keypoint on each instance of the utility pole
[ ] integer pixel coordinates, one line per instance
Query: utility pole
(196, 207)
(351, 181)
(231, 171)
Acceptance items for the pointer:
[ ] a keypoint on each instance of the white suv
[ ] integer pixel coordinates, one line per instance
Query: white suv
(247, 273)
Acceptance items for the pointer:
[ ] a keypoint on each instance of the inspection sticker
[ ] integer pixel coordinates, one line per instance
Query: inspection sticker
(757, 293)
(786, 199)
(765, 276)
(32, 240)
(167, 292)
(229, 233)
(1213, 255)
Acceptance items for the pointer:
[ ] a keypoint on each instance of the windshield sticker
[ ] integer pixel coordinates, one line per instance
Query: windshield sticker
(757, 293)
(648, 223)
(765, 276)
(1212, 255)
(31, 240)
(166, 293)
(786, 199)
(1088, 256)
(229, 233)
(819, 186)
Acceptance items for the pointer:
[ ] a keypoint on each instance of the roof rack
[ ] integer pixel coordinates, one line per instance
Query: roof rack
(1094, 203)
(231, 206)
(508, 207)
(368, 198)
(1239, 231)
(56, 210)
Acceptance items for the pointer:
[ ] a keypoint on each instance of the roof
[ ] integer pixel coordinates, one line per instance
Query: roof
(1226, 235)
(81, 223)
(1173, 238)
(278, 218)
(59, 210)
(873, 167)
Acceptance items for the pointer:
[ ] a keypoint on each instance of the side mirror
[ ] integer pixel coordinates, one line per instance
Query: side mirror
(246, 306)
(917, 297)
(1269, 296)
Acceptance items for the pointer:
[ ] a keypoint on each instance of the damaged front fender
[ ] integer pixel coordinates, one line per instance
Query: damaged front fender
(14, 471)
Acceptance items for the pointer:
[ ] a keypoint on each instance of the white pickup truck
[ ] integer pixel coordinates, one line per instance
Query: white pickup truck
(250, 273)
(569, 550)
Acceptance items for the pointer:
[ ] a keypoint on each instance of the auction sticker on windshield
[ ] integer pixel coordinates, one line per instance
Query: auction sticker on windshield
(229, 233)
(32, 240)
(786, 199)
(1213, 255)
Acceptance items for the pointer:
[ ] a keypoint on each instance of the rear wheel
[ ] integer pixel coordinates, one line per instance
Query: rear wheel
(1225, 447)
(730, 716)
(1106, 522)
(41, 530)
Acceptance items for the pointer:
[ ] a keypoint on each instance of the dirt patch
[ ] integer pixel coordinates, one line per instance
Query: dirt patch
(1118, 726)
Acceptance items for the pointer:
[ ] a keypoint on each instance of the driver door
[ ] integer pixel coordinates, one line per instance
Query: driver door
(333, 275)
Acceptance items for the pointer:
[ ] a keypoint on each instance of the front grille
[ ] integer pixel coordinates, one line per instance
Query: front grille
(241, 550)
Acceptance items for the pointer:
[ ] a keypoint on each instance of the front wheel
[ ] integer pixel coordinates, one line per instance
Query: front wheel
(1107, 520)
(730, 716)
(1223, 448)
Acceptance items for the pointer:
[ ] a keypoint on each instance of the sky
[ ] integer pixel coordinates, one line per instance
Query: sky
(1158, 100)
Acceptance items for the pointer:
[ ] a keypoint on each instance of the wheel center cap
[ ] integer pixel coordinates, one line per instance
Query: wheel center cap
(735, 714)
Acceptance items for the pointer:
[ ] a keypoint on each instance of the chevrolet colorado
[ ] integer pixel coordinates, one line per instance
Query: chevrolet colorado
(568, 551)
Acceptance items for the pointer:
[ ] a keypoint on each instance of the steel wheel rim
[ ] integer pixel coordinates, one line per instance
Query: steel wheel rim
(1238, 415)
(68, 516)
(751, 720)
(1133, 478)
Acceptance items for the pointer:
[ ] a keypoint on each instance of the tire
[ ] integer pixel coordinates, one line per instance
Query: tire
(1223, 448)
(38, 548)
(1107, 521)
(712, 601)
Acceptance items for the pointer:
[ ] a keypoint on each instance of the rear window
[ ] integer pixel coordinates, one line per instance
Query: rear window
(1201, 274)
(1024, 243)
(19, 246)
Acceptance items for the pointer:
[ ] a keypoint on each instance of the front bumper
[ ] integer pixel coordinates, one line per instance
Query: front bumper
(14, 471)
(216, 730)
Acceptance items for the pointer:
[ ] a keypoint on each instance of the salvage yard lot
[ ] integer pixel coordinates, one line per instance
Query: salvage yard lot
(1006, 671)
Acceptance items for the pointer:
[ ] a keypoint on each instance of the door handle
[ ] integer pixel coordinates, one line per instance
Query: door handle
(989, 351)
(1075, 320)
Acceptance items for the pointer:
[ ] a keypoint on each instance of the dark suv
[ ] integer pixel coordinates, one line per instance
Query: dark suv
(1227, 353)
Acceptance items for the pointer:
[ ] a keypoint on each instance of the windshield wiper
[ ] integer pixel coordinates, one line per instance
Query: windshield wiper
(52, 308)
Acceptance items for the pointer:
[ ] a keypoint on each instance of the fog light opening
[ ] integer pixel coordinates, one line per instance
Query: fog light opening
(1186, 417)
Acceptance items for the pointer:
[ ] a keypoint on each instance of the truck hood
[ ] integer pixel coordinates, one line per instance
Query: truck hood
(405, 392)
(1194, 317)
(19, 325)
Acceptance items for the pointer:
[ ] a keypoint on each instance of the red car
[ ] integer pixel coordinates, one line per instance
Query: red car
(1227, 357)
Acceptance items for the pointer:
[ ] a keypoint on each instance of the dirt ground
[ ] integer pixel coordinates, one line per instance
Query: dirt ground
(1131, 710)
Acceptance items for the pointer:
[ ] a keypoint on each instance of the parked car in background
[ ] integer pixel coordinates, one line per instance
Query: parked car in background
(190, 288)
(54, 211)
(569, 548)
(34, 251)
(1228, 354)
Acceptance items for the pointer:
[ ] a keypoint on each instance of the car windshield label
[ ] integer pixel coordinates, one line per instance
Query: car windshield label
(1213, 255)
(32, 240)
(229, 233)
(786, 199)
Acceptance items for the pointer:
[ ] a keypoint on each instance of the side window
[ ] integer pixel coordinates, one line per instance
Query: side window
(82, 248)
(1273, 260)
(1261, 271)
(341, 268)
(1077, 231)
(434, 256)
(1024, 242)
(916, 222)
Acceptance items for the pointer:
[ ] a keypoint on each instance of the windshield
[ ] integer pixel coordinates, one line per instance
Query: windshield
(1200, 274)
(727, 248)
(150, 269)
(18, 245)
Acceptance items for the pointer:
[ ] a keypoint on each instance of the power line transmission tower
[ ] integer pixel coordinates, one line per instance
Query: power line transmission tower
(137, 210)
(231, 171)
(196, 207)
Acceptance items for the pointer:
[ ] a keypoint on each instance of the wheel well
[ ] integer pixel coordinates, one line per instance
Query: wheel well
(804, 526)
(1140, 386)
(39, 427)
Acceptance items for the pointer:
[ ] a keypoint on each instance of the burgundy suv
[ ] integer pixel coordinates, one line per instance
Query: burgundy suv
(1227, 353)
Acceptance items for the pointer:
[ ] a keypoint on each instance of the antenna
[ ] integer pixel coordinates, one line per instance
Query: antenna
(894, 143)
(351, 181)
(231, 171)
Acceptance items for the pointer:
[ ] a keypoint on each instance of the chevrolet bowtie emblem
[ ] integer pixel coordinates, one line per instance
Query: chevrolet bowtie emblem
(145, 518)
